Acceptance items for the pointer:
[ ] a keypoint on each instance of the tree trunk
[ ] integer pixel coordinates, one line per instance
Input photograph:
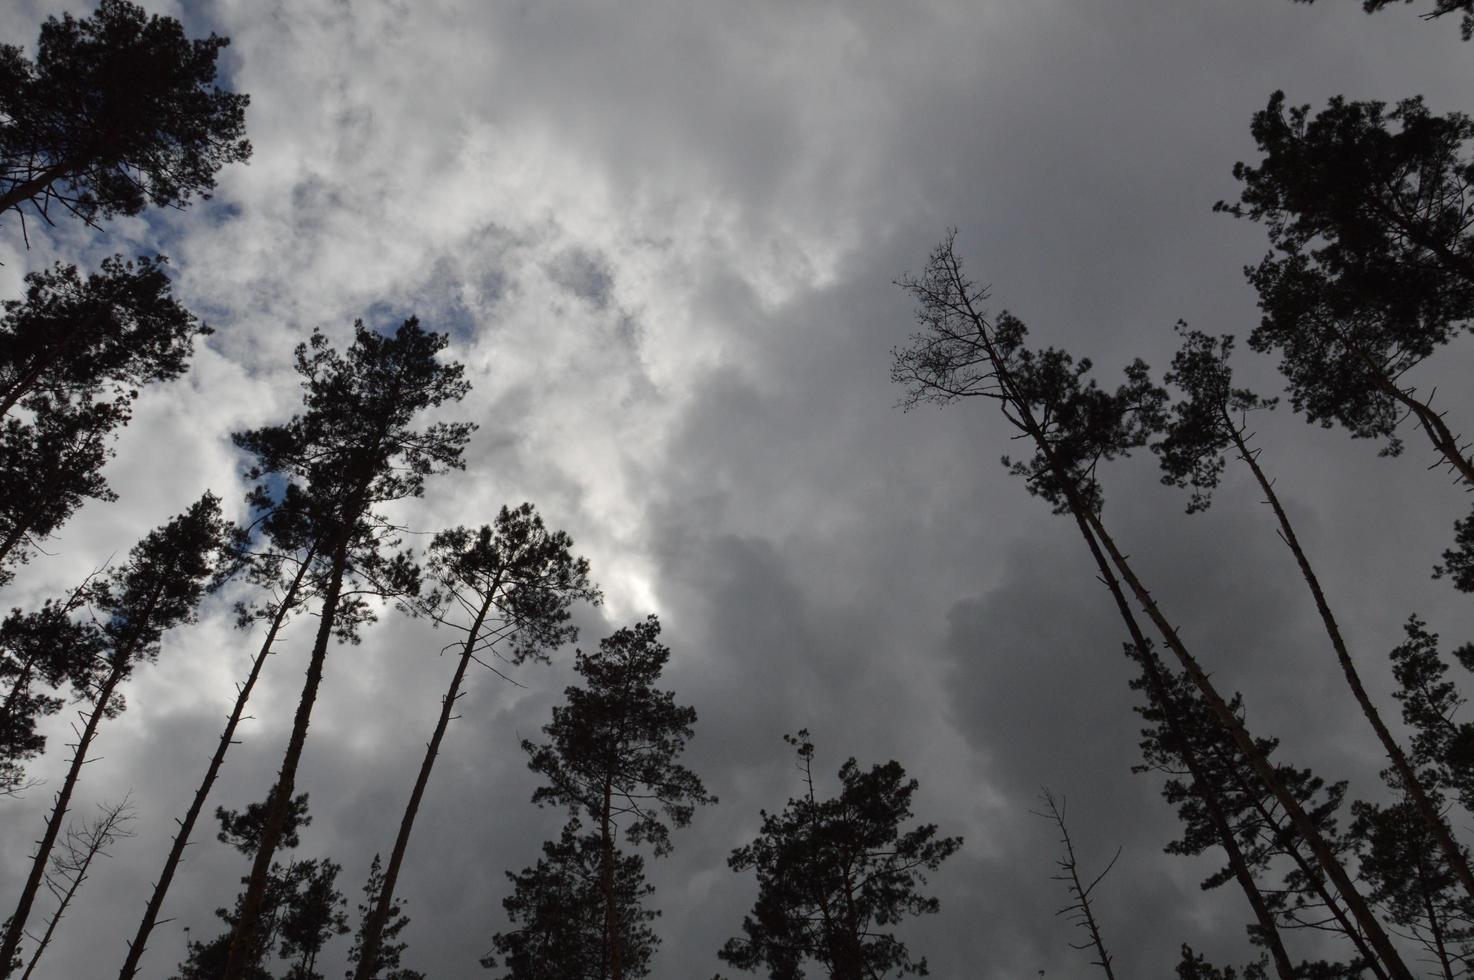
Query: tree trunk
(1202, 788)
(606, 877)
(58, 813)
(243, 939)
(186, 826)
(1358, 907)
(1405, 773)
(373, 928)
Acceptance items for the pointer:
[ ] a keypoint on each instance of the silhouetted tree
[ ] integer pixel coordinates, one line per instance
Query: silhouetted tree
(1262, 835)
(302, 909)
(389, 948)
(515, 581)
(1080, 911)
(832, 873)
(1073, 425)
(73, 354)
(1442, 747)
(70, 864)
(1208, 423)
(1373, 261)
(352, 449)
(39, 652)
(283, 572)
(612, 757)
(1440, 8)
(156, 590)
(50, 465)
(1195, 967)
(560, 907)
(111, 333)
(119, 110)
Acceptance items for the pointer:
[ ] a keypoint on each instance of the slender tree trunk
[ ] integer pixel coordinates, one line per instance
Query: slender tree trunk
(100, 836)
(227, 739)
(1311, 873)
(1376, 935)
(243, 939)
(373, 928)
(1452, 853)
(606, 876)
(1439, 948)
(59, 811)
(1202, 788)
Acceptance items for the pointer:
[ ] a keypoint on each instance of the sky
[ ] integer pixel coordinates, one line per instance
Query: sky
(663, 239)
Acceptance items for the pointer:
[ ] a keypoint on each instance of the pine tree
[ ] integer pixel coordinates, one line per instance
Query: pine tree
(559, 904)
(833, 873)
(351, 450)
(157, 589)
(119, 110)
(282, 573)
(385, 962)
(611, 757)
(1210, 423)
(1373, 262)
(41, 651)
(1074, 426)
(515, 581)
(302, 909)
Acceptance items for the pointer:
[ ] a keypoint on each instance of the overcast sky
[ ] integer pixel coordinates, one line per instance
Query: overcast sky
(663, 237)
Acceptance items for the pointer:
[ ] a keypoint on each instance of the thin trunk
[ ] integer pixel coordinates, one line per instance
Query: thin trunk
(373, 928)
(1376, 935)
(1452, 853)
(58, 814)
(101, 834)
(1201, 786)
(1311, 874)
(1080, 890)
(1438, 946)
(606, 876)
(227, 738)
(243, 939)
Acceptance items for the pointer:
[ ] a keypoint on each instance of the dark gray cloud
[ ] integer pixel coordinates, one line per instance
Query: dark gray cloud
(663, 239)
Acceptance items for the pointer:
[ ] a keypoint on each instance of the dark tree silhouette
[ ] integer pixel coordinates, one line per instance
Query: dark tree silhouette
(960, 353)
(50, 466)
(352, 449)
(284, 576)
(112, 332)
(833, 873)
(1195, 967)
(118, 111)
(302, 910)
(1210, 422)
(73, 354)
(41, 651)
(1442, 747)
(1259, 831)
(612, 757)
(1080, 911)
(71, 862)
(559, 906)
(1440, 8)
(156, 590)
(1371, 216)
(515, 580)
(389, 948)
